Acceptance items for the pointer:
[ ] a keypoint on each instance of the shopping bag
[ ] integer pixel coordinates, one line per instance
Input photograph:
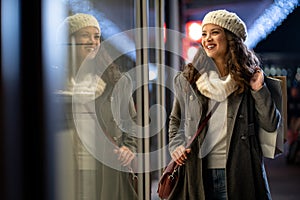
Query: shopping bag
(272, 142)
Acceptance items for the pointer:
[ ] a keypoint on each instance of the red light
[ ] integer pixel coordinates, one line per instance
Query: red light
(194, 30)
(165, 30)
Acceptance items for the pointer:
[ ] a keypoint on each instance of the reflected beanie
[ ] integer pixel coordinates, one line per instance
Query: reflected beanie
(80, 20)
(227, 20)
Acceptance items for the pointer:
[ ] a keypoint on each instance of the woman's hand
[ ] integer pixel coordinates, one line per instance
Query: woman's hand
(179, 155)
(257, 79)
(125, 155)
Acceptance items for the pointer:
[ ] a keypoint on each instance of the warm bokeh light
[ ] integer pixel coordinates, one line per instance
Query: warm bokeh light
(191, 51)
(194, 30)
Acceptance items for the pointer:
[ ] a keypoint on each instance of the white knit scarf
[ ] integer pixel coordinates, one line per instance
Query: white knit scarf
(86, 90)
(213, 87)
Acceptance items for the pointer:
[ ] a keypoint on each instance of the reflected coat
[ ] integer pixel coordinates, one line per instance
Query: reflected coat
(113, 183)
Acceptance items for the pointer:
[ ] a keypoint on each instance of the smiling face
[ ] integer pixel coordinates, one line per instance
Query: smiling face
(214, 42)
(87, 42)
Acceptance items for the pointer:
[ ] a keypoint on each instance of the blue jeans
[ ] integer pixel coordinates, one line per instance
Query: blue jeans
(215, 184)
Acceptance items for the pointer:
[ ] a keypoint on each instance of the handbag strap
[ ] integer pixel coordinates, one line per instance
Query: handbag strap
(173, 165)
(202, 125)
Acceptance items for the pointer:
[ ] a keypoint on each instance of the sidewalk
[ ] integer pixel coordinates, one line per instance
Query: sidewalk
(284, 179)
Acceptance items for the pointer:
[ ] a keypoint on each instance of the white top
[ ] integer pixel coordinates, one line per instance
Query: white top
(214, 145)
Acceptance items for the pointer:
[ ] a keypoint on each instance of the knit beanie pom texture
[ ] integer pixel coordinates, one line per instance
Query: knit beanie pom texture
(227, 20)
(80, 20)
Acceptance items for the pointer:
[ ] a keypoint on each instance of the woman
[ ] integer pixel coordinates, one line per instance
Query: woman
(223, 163)
(78, 36)
(87, 94)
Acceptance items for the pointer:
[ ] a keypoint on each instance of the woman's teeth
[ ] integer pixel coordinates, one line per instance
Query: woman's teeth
(90, 49)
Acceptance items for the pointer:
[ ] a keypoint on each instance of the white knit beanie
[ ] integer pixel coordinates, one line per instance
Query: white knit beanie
(227, 20)
(76, 22)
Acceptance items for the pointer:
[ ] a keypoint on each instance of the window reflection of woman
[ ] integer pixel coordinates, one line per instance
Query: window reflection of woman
(87, 89)
(82, 43)
(79, 36)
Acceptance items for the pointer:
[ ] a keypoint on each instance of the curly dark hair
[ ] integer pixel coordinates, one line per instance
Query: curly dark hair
(241, 62)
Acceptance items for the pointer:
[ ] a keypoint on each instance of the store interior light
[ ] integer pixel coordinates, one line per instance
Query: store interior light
(194, 30)
(165, 34)
(191, 52)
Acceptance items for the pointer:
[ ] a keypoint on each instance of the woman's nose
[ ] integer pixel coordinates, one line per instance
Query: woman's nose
(208, 38)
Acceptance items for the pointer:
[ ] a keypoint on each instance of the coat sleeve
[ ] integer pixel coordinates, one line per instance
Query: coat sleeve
(130, 139)
(128, 114)
(176, 123)
(267, 113)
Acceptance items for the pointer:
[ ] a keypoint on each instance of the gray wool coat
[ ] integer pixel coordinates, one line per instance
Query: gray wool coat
(117, 119)
(245, 174)
(99, 174)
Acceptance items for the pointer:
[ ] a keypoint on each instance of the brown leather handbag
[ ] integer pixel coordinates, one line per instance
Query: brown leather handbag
(170, 176)
(168, 180)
